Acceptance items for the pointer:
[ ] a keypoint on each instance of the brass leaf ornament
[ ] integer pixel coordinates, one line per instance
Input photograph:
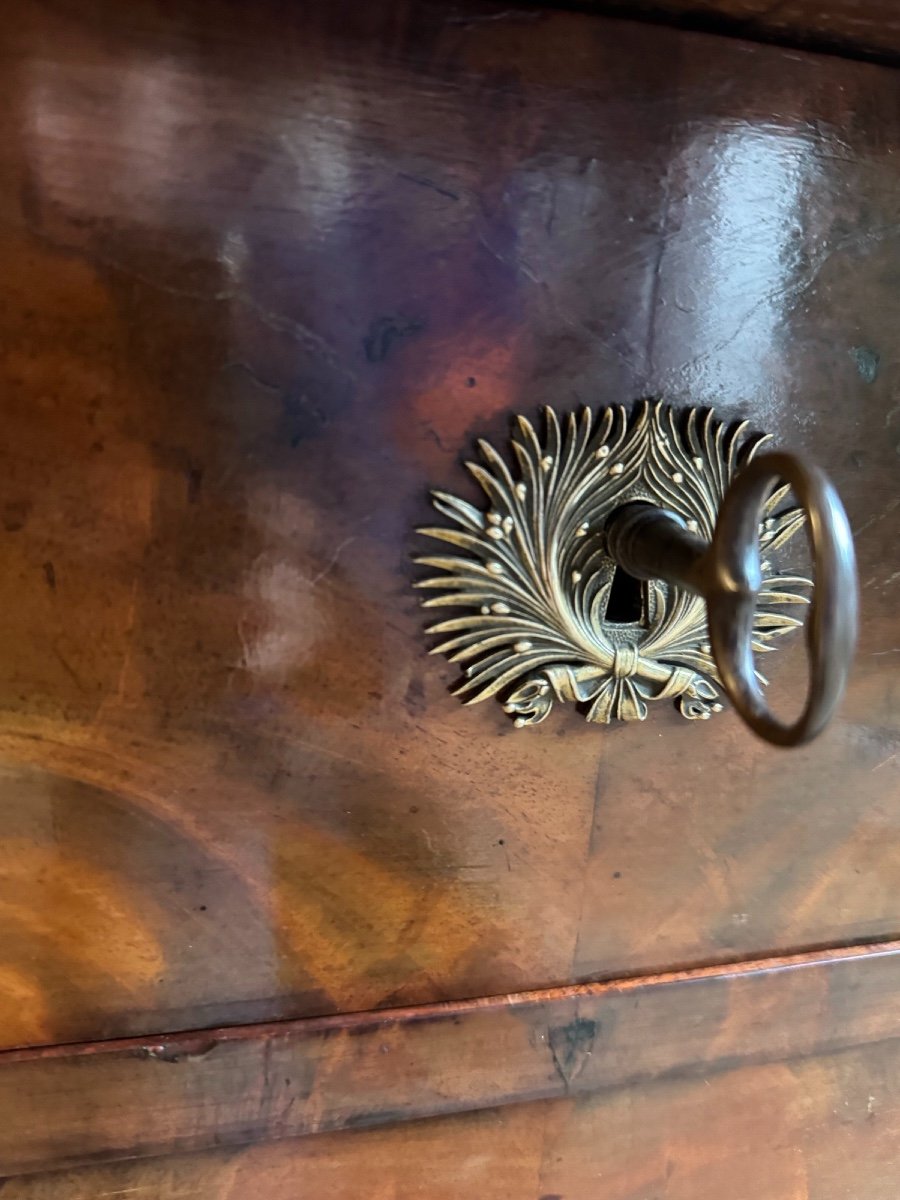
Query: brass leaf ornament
(534, 581)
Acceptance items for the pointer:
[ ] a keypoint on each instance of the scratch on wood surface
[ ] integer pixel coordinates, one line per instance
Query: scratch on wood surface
(888, 508)
(332, 563)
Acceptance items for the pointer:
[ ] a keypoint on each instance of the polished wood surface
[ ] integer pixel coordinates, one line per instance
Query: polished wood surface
(822, 1128)
(267, 273)
(255, 1083)
(869, 28)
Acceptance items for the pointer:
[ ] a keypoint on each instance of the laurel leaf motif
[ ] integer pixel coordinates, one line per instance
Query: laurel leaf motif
(533, 572)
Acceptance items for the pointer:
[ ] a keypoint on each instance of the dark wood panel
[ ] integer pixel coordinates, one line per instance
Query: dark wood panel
(125, 1099)
(868, 28)
(823, 1128)
(267, 271)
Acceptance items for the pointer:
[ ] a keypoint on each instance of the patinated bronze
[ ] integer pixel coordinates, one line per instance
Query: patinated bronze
(642, 493)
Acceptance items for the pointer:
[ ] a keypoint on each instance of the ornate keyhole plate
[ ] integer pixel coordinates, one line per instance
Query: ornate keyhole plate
(533, 573)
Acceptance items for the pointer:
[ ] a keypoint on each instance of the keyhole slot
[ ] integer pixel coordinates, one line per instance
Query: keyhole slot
(625, 603)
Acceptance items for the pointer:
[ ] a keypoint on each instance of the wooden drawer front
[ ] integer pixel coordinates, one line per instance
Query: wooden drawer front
(267, 273)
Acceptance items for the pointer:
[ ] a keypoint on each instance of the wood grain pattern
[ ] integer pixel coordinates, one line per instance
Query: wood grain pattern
(267, 273)
(868, 28)
(126, 1099)
(824, 1128)
(820, 1128)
